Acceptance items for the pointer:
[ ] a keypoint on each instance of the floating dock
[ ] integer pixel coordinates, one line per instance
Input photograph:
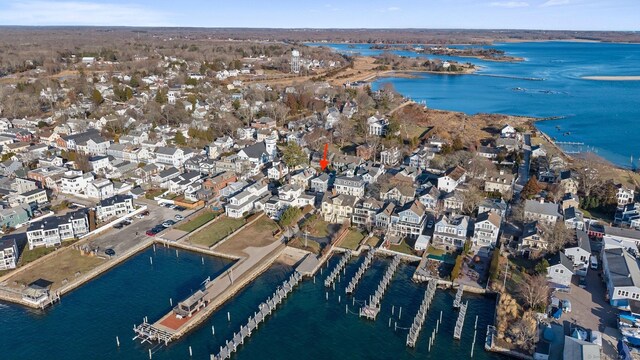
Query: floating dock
(336, 271)
(361, 270)
(264, 309)
(418, 320)
(371, 310)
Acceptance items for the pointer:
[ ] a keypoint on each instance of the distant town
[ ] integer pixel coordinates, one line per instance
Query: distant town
(264, 151)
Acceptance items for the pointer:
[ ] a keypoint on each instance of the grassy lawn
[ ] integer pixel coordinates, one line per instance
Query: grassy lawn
(258, 234)
(437, 252)
(405, 247)
(594, 214)
(216, 231)
(298, 243)
(352, 240)
(319, 228)
(28, 256)
(373, 241)
(197, 221)
(64, 265)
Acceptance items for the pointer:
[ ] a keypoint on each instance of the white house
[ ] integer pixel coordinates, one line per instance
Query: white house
(624, 195)
(100, 163)
(579, 253)
(100, 189)
(244, 202)
(377, 126)
(486, 230)
(170, 156)
(52, 231)
(353, 186)
(75, 182)
(560, 271)
(114, 206)
(546, 213)
(408, 221)
(451, 179)
(8, 254)
(450, 232)
(337, 208)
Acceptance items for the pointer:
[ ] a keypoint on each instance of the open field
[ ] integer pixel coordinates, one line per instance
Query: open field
(352, 240)
(258, 234)
(64, 265)
(298, 243)
(217, 231)
(196, 222)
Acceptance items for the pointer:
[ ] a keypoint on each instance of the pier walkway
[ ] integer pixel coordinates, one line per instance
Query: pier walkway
(371, 310)
(336, 271)
(213, 294)
(361, 270)
(418, 320)
(264, 309)
(457, 302)
(457, 332)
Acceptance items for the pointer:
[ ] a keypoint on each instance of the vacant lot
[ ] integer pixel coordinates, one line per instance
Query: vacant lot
(299, 243)
(66, 264)
(197, 221)
(258, 234)
(405, 247)
(216, 231)
(352, 240)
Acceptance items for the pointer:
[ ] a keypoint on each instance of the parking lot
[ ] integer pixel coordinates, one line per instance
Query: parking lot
(125, 238)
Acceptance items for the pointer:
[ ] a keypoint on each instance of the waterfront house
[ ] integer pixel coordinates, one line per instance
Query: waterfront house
(218, 182)
(51, 231)
(364, 213)
(337, 208)
(15, 216)
(485, 231)
(377, 126)
(242, 203)
(539, 210)
(508, 131)
(100, 189)
(621, 273)
(567, 182)
(115, 206)
(560, 271)
(451, 179)
(8, 254)
(408, 221)
(451, 231)
(383, 218)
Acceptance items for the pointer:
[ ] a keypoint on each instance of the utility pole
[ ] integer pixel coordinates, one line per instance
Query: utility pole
(506, 270)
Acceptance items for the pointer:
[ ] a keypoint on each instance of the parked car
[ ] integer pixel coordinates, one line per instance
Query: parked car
(145, 213)
(118, 225)
(167, 224)
(151, 232)
(179, 217)
(583, 282)
(180, 208)
(140, 216)
(566, 306)
(110, 252)
(430, 224)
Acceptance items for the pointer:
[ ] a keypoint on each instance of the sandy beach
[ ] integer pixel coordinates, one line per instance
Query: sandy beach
(613, 78)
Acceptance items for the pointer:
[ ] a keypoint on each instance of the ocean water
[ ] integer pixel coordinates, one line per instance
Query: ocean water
(604, 115)
(84, 325)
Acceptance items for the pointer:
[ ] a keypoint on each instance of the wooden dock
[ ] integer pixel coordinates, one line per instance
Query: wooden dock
(336, 271)
(370, 310)
(361, 270)
(457, 332)
(457, 302)
(418, 320)
(264, 309)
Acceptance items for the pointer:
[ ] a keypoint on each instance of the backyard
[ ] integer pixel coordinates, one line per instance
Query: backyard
(405, 247)
(352, 240)
(299, 243)
(216, 231)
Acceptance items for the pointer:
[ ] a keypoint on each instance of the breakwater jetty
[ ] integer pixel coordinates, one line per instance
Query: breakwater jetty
(418, 320)
(370, 310)
(264, 309)
(361, 270)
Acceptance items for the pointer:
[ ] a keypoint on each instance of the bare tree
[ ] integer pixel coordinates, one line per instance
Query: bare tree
(558, 236)
(534, 291)
(471, 198)
(524, 331)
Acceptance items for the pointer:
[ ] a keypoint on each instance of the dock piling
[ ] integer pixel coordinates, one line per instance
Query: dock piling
(117, 341)
(171, 301)
(346, 308)
(400, 313)
(150, 260)
(393, 309)
(149, 354)
(213, 330)
(228, 316)
(339, 299)
(190, 352)
(176, 252)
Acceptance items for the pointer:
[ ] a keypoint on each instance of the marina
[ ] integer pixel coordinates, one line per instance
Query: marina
(371, 309)
(361, 270)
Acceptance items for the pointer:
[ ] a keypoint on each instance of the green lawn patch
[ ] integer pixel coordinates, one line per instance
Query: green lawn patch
(153, 193)
(352, 240)
(197, 221)
(216, 231)
(405, 247)
(319, 228)
(28, 256)
(437, 252)
(373, 241)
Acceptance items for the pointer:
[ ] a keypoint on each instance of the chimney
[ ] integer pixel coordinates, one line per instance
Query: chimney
(501, 171)
(541, 200)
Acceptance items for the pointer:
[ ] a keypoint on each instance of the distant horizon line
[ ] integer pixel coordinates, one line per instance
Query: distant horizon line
(309, 28)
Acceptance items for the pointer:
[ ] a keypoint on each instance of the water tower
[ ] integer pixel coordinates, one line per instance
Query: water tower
(295, 61)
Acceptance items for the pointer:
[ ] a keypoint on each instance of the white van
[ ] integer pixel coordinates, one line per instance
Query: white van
(594, 262)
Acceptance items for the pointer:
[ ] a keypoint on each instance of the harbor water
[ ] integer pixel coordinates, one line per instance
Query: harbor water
(84, 325)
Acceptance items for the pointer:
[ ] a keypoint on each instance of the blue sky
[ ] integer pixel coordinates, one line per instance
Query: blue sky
(480, 14)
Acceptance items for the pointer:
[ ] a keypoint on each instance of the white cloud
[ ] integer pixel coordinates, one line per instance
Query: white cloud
(554, 3)
(38, 12)
(509, 4)
(393, 8)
